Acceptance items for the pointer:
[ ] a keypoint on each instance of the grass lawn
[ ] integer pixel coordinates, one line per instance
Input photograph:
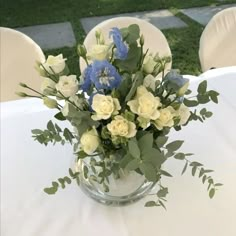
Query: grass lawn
(183, 42)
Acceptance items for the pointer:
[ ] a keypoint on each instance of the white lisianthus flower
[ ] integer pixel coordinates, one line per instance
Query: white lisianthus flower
(47, 86)
(145, 104)
(122, 127)
(104, 106)
(76, 100)
(68, 85)
(184, 113)
(50, 103)
(55, 64)
(166, 118)
(149, 64)
(99, 52)
(150, 82)
(90, 141)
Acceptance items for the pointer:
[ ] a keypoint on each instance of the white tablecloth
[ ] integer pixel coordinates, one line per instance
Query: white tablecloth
(27, 167)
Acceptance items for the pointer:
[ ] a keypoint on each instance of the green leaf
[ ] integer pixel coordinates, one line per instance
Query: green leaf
(214, 96)
(59, 116)
(165, 173)
(204, 179)
(50, 191)
(134, 149)
(175, 145)
(212, 193)
(58, 128)
(162, 192)
(50, 127)
(154, 156)
(125, 160)
(190, 103)
(138, 80)
(133, 165)
(149, 171)
(161, 141)
(194, 163)
(145, 142)
(194, 169)
(185, 168)
(36, 131)
(179, 156)
(150, 204)
(203, 99)
(208, 114)
(202, 87)
(218, 185)
(68, 135)
(162, 204)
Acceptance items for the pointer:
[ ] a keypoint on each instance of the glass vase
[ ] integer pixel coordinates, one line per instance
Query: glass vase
(128, 188)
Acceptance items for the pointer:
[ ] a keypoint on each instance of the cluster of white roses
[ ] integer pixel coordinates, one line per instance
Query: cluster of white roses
(145, 106)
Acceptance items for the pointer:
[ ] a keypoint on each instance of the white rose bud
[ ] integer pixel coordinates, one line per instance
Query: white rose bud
(104, 106)
(145, 104)
(55, 64)
(149, 64)
(50, 103)
(150, 82)
(184, 113)
(166, 118)
(122, 127)
(89, 141)
(47, 86)
(68, 85)
(98, 52)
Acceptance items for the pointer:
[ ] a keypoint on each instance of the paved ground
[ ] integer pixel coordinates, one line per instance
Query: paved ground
(60, 35)
(203, 14)
(162, 19)
(51, 36)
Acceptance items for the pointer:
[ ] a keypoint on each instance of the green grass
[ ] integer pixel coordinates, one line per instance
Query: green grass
(183, 42)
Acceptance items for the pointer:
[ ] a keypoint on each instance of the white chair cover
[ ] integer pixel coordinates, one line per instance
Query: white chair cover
(154, 39)
(19, 54)
(218, 41)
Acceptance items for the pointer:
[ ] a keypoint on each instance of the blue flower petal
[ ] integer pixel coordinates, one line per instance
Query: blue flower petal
(87, 79)
(121, 48)
(104, 75)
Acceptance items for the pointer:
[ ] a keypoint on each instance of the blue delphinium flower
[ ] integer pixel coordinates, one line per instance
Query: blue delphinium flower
(121, 48)
(104, 75)
(86, 77)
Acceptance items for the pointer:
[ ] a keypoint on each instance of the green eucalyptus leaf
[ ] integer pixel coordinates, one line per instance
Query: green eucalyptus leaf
(59, 116)
(150, 204)
(133, 148)
(133, 164)
(190, 103)
(161, 141)
(149, 171)
(185, 168)
(212, 193)
(145, 142)
(50, 127)
(202, 87)
(179, 156)
(162, 193)
(175, 145)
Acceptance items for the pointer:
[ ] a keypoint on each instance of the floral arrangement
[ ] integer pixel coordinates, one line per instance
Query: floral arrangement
(124, 102)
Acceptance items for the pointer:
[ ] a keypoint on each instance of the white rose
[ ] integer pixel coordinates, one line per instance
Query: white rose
(47, 86)
(89, 141)
(104, 106)
(145, 104)
(122, 127)
(149, 64)
(98, 52)
(68, 85)
(166, 118)
(150, 82)
(76, 100)
(184, 113)
(55, 64)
